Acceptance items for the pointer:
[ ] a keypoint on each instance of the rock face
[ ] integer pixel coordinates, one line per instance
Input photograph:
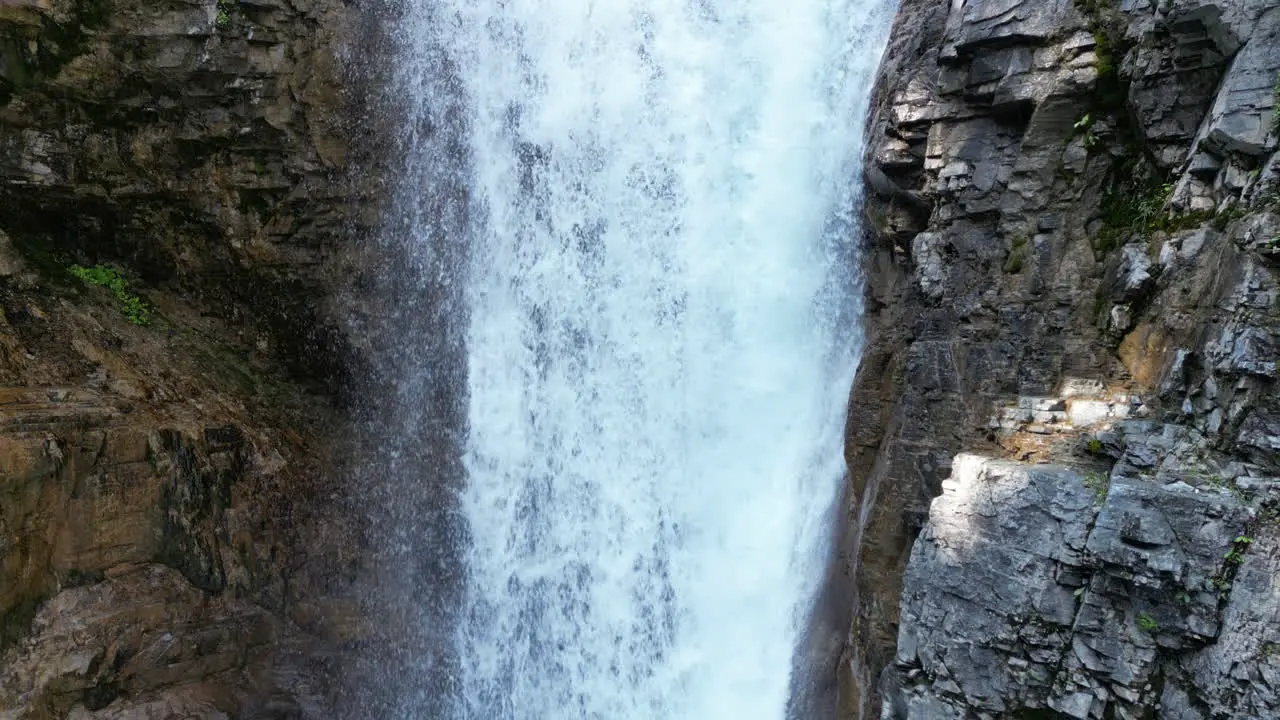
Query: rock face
(202, 143)
(1072, 222)
(170, 540)
(1039, 588)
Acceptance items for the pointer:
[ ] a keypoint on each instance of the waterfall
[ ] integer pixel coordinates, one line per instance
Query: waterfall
(661, 328)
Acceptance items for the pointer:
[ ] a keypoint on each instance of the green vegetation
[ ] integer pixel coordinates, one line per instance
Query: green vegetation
(1235, 555)
(1269, 513)
(1099, 484)
(1147, 623)
(134, 308)
(1018, 252)
(1275, 108)
(1230, 566)
(1111, 90)
(50, 264)
(1133, 205)
(1094, 446)
(1136, 195)
(1084, 126)
(1217, 481)
(1109, 44)
(224, 12)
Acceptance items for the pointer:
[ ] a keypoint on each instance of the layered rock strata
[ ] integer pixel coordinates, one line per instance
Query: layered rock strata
(1071, 270)
(172, 542)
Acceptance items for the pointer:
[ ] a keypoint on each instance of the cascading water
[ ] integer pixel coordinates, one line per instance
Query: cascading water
(662, 310)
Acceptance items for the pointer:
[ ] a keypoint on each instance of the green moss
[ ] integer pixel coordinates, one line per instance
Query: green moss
(1111, 90)
(1221, 220)
(134, 308)
(1019, 250)
(1147, 623)
(1134, 207)
(1110, 45)
(1142, 215)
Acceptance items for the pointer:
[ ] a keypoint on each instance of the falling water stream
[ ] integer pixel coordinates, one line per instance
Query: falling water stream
(662, 304)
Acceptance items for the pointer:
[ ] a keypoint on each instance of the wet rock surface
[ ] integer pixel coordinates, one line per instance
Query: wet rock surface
(172, 541)
(1087, 298)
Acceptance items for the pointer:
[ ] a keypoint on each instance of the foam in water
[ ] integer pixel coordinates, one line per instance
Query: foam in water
(663, 331)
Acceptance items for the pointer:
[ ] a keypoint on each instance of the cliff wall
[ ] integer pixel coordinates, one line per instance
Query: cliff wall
(1063, 437)
(176, 206)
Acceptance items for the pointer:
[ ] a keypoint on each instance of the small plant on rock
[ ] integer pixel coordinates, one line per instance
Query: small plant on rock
(224, 12)
(1084, 126)
(1235, 555)
(1133, 205)
(1146, 623)
(1099, 484)
(134, 308)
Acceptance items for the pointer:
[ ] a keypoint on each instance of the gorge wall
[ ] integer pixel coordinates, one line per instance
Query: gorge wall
(1063, 439)
(172, 542)
(1063, 436)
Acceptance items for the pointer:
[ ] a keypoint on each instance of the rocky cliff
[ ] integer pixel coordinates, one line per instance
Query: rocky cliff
(1063, 437)
(175, 198)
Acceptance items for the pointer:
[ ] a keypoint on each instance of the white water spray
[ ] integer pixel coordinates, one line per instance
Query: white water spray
(663, 332)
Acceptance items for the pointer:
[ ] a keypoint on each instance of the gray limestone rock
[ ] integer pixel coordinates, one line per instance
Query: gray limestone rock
(1130, 275)
(986, 23)
(989, 603)
(1041, 588)
(1175, 68)
(926, 251)
(1241, 120)
(1239, 675)
(1060, 254)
